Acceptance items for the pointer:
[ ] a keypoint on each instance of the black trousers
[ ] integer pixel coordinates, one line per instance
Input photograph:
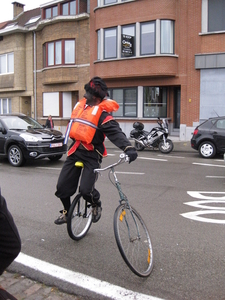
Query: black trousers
(69, 177)
(10, 243)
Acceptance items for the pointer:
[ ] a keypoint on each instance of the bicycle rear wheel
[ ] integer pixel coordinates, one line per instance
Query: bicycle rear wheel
(133, 240)
(79, 218)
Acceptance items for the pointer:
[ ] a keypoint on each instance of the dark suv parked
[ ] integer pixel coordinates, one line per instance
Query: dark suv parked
(23, 138)
(209, 137)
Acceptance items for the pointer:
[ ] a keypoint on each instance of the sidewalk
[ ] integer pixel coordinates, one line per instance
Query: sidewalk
(23, 288)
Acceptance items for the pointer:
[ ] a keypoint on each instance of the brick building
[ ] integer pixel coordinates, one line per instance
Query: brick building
(62, 52)
(50, 57)
(16, 63)
(159, 58)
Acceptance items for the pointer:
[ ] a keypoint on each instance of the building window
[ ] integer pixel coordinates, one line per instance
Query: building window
(155, 102)
(32, 20)
(51, 12)
(59, 53)
(127, 100)
(167, 37)
(99, 44)
(110, 43)
(7, 63)
(5, 106)
(216, 20)
(128, 40)
(66, 9)
(69, 8)
(153, 37)
(106, 2)
(70, 52)
(54, 11)
(58, 104)
(109, 1)
(147, 38)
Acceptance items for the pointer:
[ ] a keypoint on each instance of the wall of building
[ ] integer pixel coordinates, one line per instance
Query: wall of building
(176, 70)
(20, 83)
(63, 78)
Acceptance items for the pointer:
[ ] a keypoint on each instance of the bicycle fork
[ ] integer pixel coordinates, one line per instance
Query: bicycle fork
(123, 214)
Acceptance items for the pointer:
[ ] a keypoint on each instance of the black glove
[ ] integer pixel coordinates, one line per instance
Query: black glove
(131, 153)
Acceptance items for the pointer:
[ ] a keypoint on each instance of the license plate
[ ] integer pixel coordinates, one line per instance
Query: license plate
(55, 145)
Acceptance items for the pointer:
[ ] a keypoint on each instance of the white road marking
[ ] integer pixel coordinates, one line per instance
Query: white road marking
(215, 176)
(149, 158)
(199, 195)
(130, 173)
(89, 283)
(172, 156)
(47, 168)
(201, 204)
(206, 198)
(209, 165)
(194, 215)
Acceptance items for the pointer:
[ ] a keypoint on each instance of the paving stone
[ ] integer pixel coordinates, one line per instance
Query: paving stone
(24, 288)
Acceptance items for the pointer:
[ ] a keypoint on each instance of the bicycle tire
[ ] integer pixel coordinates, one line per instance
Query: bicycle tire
(78, 223)
(136, 251)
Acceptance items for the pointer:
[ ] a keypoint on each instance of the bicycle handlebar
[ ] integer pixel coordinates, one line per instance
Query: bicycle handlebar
(123, 158)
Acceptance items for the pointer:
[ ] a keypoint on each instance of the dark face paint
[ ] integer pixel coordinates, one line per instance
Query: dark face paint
(91, 100)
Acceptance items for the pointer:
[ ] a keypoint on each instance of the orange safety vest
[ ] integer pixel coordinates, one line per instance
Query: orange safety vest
(85, 119)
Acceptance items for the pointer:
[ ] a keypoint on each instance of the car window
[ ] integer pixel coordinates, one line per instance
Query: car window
(220, 124)
(21, 123)
(31, 123)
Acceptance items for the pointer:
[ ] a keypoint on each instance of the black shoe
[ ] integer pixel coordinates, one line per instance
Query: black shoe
(96, 213)
(62, 218)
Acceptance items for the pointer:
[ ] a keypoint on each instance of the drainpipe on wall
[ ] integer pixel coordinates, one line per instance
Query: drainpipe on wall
(35, 83)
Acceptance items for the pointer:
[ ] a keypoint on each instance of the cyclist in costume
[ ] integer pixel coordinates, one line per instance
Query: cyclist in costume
(90, 123)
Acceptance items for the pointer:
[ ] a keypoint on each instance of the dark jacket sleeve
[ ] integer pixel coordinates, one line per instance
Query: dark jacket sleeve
(112, 130)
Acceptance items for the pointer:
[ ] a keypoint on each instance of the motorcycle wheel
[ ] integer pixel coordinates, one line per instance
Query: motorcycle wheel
(167, 147)
(138, 146)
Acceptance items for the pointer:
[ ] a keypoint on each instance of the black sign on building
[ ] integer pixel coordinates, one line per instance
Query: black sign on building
(127, 45)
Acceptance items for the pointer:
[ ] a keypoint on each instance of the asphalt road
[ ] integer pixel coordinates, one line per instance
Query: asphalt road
(188, 241)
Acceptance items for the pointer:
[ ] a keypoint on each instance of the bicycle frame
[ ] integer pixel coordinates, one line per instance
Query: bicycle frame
(123, 158)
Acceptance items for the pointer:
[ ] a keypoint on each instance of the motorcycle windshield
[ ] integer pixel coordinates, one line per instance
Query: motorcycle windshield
(165, 123)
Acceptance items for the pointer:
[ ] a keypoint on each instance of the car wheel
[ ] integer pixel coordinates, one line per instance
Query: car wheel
(15, 156)
(207, 149)
(55, 157)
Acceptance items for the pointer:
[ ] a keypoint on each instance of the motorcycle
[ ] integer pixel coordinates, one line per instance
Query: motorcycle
(156, 138)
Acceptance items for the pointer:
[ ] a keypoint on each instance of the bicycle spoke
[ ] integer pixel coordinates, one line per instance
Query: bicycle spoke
(79, 218)
(133, 241)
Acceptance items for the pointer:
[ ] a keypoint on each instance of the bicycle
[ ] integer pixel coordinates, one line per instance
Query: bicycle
(131, 234)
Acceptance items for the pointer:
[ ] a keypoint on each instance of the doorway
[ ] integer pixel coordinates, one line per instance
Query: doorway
(177, 108)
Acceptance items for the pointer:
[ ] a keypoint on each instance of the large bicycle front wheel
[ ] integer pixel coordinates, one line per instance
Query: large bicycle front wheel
(133, 240)
(79, 218)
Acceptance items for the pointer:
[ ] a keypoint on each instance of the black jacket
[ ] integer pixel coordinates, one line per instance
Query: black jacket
(48, 124)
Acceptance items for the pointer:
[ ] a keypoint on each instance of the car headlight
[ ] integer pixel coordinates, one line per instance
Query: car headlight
(28, 137)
